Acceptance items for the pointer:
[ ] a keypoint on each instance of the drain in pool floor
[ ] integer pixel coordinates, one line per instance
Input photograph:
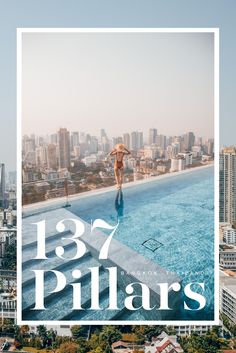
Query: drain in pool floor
(152, 244)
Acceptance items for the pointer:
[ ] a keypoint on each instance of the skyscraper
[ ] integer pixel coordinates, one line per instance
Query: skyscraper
(210, 146)
(52, 156)
(189, 139)
(41, 156)
(28, 144)
(64, 148)
(2, 185)
(228, 185)
(161, 141)
(140, 139)
(126, 139)
(136, 140)
(93, 145)
(117, 140)
(74, 139)
(152, 138)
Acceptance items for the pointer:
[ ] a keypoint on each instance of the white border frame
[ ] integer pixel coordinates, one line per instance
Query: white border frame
(215, 31)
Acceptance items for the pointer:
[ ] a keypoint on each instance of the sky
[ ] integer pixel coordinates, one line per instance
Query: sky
(112, 13)
(118, 81)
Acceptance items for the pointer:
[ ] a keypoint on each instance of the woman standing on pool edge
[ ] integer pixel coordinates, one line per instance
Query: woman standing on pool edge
(119, 151)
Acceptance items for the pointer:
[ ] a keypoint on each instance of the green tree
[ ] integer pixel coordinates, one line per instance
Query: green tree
(148, 331)
(110, 334)
(16, 330)
(108, 349)
(82, 345)
(9, 258)
(153, 331)
(95, 342)
(79, 331)
(43, 335)
(37, 343)
(7, 326)
(208, 343)
(170, 330)
(51, 336)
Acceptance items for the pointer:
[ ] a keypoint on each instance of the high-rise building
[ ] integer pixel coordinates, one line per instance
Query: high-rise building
(64, 148)
(30, 157)
(2, 185)
(229, 234)
(140, 139)
(152, 138)
(161, 141)
(82, 137)
(41, 156)
(105, 145)
(228, 258)
(151, 152)
(126, 139)
(136, 140)
(117, 140)
(133, 140)
(228, 185)
(177, 164)
(188, 157)
(28, 144)
(52, 156)
(74, 139)
(93, 145)
(189, 139)
(77, 151)
(172, 151)
(210, 146)
(228, 296)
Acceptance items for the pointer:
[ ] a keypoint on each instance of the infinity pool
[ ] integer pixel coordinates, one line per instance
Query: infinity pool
(169, 220)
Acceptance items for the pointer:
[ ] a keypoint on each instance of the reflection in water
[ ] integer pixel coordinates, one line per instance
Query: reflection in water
(119, 204)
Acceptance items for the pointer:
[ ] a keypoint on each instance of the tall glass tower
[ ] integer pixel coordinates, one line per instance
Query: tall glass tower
(2, 185)
(228, 185)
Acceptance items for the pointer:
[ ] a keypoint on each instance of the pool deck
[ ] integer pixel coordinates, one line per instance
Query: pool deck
(57, 202)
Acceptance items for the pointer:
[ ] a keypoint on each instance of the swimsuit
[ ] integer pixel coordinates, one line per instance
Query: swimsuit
(118, 164)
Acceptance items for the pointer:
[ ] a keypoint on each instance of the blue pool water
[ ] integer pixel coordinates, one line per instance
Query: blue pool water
(177, 212)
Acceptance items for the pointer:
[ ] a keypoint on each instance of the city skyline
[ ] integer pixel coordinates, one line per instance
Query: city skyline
(146, 133)
(117, 80)
(129, 131)
(51, 158)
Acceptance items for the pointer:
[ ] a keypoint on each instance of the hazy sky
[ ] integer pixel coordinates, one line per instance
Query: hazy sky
(118, 81)
(113, 13)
